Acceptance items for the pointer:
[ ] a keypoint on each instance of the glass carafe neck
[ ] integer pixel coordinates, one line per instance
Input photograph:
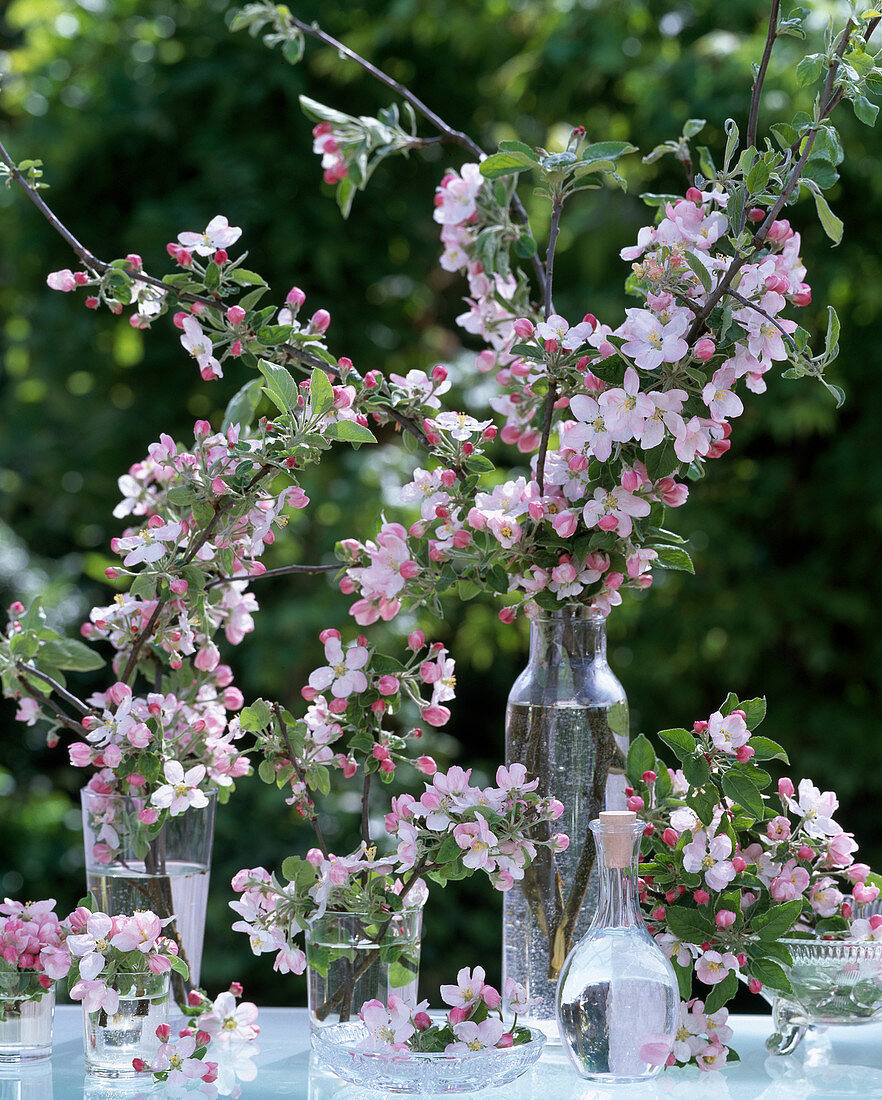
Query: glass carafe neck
(618, 903)
(578, 632)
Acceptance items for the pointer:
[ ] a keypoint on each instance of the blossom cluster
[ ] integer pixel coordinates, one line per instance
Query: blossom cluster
(111, 954)
(476, 1019)
(33, 938)
(227, 1028)
(727, 871)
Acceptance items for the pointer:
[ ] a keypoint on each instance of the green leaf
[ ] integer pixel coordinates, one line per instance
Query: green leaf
(865, 110)
(742, 791)
(349, 431)
(605, 150)
(449, 850)
(479, 464)
(831, 225)
(809, 69)
(832, 339)
(243, 405)
(770, 974)
(673, 557)
(255, 717)
(721, 993)
(68, 653)
(681, 741)
(519, 147)
(766, 749)
(661, 461)
(700, 270)
(505, 164)
(400, 974)
(641, 758)
(696, 771)
(693, 126)
(179, 966)
(684, 979)
(775, 923)
(266, 771)
(321, 392)
(243, 277)
(298, 871)
(754, 712)
(280, 386)
(689, 925)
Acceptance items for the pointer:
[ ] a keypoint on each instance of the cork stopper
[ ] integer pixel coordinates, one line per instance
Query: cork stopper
(617, 830)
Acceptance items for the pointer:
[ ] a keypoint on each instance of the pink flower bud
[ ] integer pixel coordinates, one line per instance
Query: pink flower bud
(468, 448)
(338, 706)
(701, 897)
(846, 910)
(755, 985)
(459, 1014)
(148, 816)
(163, 1032)
(426, 765)
(295, 298)
(235, 315)
(179, 586)
(864, 894)
(705, 349)
(670, 837)
(785, 788)
(649, 777)
(507, 615)
(422, 1021)
(739, 863)
(139, 1065)
(219, 487)
(806, 853)
(724, 919)
(699, 727)
(194, 999)
(635, 803)
(111, 573)
(755, 214)
(320, 320)
(551, 346)
(220, 257)
(439, 374)
(523, 328)
(658, 913)
(744, 753)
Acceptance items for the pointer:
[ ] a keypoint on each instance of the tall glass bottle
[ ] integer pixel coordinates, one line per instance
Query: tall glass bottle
(567, 722)
(617, 1000)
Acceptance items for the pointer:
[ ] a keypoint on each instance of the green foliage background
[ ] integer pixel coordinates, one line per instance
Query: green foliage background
(151, 118)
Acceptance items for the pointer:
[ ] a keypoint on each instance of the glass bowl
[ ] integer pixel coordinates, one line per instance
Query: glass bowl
(337, 1049)
(835, 982)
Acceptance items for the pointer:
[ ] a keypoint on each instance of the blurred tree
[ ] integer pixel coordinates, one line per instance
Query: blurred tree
(151, 118)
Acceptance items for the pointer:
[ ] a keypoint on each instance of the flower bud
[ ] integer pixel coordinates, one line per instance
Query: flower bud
(523, 328)
(725, 918)
(705, 349)
(635, 803)
(785, 788)
(649, 777)
(670, 837)
(744, 753)
(739, 864)
(701, 897)
(755, 985)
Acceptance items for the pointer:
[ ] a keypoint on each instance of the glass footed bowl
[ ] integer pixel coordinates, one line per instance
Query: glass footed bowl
(336, 1047)
(835, 983)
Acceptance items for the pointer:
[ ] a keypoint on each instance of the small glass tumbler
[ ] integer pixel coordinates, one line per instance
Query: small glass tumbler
(113, 1039)
(26, 1014)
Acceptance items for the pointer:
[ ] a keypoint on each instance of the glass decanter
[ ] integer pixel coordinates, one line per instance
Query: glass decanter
(617, 998)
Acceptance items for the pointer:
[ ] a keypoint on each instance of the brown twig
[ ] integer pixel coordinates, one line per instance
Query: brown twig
(46, 700)
(793, 180)
(553, 231)
(282, 571)
(61, 692)
(295, 764)
(757, 92)
(448, 133)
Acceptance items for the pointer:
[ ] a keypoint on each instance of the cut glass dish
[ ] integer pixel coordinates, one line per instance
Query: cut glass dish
(337, 1048)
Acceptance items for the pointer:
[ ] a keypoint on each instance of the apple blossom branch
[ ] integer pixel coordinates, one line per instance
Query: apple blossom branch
(553, 231)
(295, 764)
(828, 101)
(756, 95)
(448, 133)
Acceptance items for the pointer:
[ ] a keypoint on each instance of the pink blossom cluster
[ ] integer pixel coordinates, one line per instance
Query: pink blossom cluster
(264, 908)
(327, 146)
(33, 938)
(701, 1036)
(227, 1029)
(101, 945)
(490, 825)
(476, 1019)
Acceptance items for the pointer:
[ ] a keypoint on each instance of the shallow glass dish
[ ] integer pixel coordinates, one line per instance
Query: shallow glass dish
(835, 982)
(337, 1049)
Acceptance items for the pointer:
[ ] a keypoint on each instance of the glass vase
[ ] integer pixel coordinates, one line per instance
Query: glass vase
(351, 960)
(128, 870)
(26, 1014)
(567, 722)
(113, 1039)
(617, 999)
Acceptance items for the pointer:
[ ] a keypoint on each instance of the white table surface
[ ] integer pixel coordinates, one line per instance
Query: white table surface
(849, 1065)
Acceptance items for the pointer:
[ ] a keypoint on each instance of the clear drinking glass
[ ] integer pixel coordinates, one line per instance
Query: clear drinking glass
(567, 723)
(351, 960)
(167, 875)
(26, 1015)
(618, 999)
(112, 1040)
